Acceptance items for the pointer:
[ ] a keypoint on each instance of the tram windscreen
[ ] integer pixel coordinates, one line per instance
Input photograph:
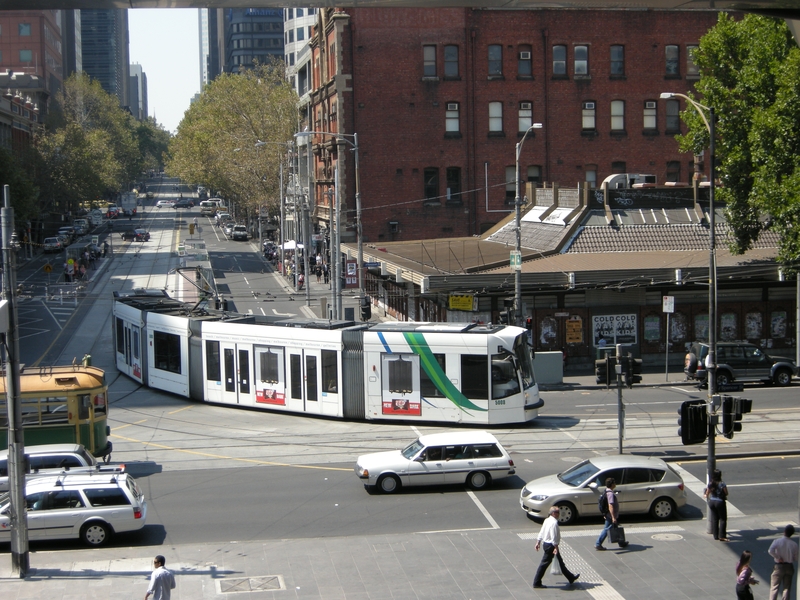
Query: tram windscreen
(522, 351)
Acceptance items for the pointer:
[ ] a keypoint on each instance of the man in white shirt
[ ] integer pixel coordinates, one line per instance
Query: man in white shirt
(162, 582)
(549, 538)
(784, 551)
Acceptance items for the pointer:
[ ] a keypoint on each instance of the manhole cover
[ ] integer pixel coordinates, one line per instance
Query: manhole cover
(667, 537)
(235, 585)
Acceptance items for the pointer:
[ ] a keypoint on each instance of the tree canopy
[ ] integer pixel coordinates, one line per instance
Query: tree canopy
(750, 75)
(216, 141)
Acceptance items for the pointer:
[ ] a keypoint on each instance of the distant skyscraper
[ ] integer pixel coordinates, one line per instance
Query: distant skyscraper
(71, 42)
(215, 61)
(138, 93)
(252, 34)
(104, 37)
(202, 23)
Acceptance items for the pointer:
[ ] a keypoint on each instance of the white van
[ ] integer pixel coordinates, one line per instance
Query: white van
(208, 208)
(81, 226)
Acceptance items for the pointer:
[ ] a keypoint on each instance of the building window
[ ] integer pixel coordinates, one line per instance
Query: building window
(524, 66)
(650, 116)
(674, 171)
(451, 118)
(26, 56)
(454, 185)
(451, 61)
(24, 29)
(692, 69)
(673, 65)
(617, 115)
(581, 60)
(429, 61)
(300, 33)
(431, 175)
(495, 116)
(511, 185)
(618, 167)
(495, 60)
(588, 116)
(291, 36)
(559, 60)
(525, 116)
(299, 12)
(618, 60)
(590, 175)
(535, 174)
(291, 13)
(673, 116)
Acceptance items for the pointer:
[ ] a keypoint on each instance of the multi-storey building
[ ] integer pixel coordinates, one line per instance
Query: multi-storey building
(30, 42)
(252, 34)
(138, 92)
(105, 50)
(298, 27)
(440, 97)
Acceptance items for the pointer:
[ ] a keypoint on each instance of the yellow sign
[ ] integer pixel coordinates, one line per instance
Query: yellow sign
(48, 268)
(575, 330)
(462, 302)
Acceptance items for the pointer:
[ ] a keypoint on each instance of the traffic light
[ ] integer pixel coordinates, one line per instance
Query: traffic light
(366, 308)
(693, 422)
(728, 413)
(633, 370)
(529, 323)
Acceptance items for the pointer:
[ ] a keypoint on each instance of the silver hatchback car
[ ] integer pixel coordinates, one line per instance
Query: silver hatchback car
(644, 485)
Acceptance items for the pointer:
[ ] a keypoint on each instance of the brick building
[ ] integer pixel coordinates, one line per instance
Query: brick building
(440, 97)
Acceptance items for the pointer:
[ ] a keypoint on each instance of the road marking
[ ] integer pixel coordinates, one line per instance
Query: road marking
(129, 425)
(766, 483)
(180, 410)
(282, 314)
(245, 280)
(482, 508)
(262, 311)
(697, 486)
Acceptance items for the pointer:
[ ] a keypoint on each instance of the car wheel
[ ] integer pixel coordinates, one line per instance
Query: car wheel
(389, 484)
(479, 480)
(662, 509)
(567, 513)
(723, 378)
(783, 377)
(95, 534)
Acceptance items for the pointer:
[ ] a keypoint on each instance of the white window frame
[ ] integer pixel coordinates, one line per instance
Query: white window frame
(617, 115)
(452, 120)
(581, 65)
(525, 119)
(495, 116)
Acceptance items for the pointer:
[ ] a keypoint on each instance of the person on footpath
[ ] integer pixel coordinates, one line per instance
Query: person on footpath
(784, 551)
(716, 495)
(162, 582)
(549, 538)
(744, 577)
(611, 515)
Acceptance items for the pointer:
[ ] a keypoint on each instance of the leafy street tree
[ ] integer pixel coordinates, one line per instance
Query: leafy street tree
(14, 174)
(153, 141)
(216, 141)
(750, 75)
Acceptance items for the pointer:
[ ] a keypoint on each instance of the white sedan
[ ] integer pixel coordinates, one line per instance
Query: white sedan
(164, 204)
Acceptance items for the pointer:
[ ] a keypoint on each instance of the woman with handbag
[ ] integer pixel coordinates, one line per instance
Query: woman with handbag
(744, 577)
(716, 494)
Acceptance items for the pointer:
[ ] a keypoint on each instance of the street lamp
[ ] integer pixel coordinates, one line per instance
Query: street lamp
(518, 210)
(282, 237)
(342, 137)
(711, 362)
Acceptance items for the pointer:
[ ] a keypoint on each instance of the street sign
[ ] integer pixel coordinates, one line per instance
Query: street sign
(730, 387)
(48, 268)
(668, 304)
(371, 265)
(516, 260)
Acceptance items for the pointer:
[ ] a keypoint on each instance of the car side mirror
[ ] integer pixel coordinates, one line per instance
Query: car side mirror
(593, 486)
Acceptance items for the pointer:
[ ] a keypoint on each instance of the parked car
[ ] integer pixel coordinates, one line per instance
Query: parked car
(52, 244)
(474, 458)
(164, 204)
(227, 228)
(112, 212)
(92, 507)
(644, 485)
(739, 361)
(240, 233)
(137, 235)
(68, 232)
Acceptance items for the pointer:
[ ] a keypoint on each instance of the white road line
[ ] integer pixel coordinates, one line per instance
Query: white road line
(245, 280)
(262, 311)
(47, 308)
(697, 486)
(766, 483)
(482, 508)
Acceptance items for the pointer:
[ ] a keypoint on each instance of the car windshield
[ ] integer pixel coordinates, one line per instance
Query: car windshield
(577, 475)
(412, 449)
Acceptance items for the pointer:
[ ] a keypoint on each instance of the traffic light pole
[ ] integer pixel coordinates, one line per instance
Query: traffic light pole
(711, 366)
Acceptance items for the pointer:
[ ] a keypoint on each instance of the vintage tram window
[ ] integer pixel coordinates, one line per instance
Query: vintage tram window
(400, 376)
(330, 372)
(311, 378)
(212, 361)
(230, 370)
(426, 386)
(474, 376)
(120, 336)
(99, 404)
(268, 362)
(297, 376)
(84, 401)
(167, 351)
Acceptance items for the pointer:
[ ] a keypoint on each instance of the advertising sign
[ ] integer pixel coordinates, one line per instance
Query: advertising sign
(351, 274)
(466, 302)
(614, 329)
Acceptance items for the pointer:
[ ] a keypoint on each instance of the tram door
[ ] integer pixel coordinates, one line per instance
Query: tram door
(129, 353)
(305, 380)
(237, 385)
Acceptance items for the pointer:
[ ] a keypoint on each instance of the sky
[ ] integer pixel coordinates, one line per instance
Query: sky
(166, 43)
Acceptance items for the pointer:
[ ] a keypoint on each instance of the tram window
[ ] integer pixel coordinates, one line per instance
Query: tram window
(83, 406)
(212, 361)
(167, 351)
(474, 376)
(400, 376)
(427, 388)
(297, 376)
(136, 342)
(330, 373)
(504, 377)
(311, 378)
(230, 370)
(244, 371)
(120, 336)
(268, 362)
(99, 404)
(51, 410)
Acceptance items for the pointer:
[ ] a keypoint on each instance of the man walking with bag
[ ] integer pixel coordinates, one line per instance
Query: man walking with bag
(549, 538)
(609, 508)
(784, 551)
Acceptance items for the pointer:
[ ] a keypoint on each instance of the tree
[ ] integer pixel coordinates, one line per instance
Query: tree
(750, 75)
(153, 141)
(216, 141)
(22, 189)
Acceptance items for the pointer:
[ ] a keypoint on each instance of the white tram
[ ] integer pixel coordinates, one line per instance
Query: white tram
(432, 372)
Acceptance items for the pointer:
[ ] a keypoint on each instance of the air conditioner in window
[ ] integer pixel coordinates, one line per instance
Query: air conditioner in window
(524, 105)
(524, 55)
(588, 106)
(649, 104)
(452, 106)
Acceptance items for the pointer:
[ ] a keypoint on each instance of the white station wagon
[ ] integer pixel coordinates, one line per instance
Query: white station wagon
(474, 458)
